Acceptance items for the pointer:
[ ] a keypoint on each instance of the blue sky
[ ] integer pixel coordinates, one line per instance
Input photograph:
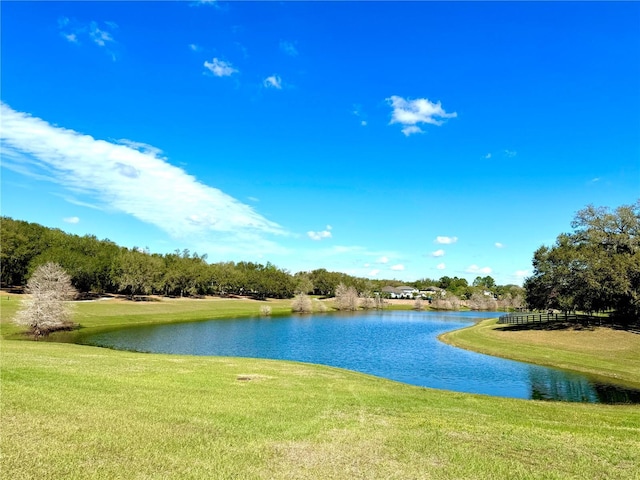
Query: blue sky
(385, 140)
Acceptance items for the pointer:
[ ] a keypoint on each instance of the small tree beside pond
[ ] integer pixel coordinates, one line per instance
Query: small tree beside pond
(346, 298)
(47, 308)
(302, 303)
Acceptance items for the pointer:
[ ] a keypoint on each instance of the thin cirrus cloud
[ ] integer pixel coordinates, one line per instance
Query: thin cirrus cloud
(220, 68)
(398, 268)
(411, 113)
(438, 253)
(289, 48)
(274, 81)
(100, 34)
(445, 240)
(499, 245)
(72, 220)
(326, 233)
(134, 181)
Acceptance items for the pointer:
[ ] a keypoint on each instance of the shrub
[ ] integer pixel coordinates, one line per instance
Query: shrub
(301, 303)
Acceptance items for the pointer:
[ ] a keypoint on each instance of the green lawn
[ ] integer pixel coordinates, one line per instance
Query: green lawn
(613, 355)
(71, 411)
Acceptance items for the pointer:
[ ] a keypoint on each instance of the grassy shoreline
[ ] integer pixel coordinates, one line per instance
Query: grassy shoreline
(610, 355)
(72, 411)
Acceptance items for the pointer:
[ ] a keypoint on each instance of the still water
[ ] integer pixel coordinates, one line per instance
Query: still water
(398, 345)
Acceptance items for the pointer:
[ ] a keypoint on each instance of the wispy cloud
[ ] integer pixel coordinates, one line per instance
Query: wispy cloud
(71, 220)
(194, 47)
(411, 129)
(398, 268)
(141, 147)
(289, 48)
(374, 272)
(135, 182)
(445, 240)
(358, 113)
(441, 266)
(326, 233)
(200, 3)
(438, 253)
(274, 81)
(100, 34)
(510, 153)
(499, 245)
(477, 269)
(383, 259)
(220, 68)
(410, 113)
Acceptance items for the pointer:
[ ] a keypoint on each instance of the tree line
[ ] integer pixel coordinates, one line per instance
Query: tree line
(594, 268)
(103, 267)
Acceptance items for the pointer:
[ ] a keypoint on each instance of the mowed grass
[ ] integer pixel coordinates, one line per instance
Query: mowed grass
(611, 354)
(70, 411)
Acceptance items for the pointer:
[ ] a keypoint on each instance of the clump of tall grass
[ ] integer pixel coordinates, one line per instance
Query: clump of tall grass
(265, 311)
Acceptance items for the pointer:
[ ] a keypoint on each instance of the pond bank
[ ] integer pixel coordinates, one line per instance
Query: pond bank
(612, 355)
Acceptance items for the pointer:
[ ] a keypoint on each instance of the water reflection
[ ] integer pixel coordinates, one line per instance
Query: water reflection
(397, 345)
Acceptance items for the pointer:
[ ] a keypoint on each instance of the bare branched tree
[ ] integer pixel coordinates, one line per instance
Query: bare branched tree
(302, 303)
(366, 300)
(346, 298)
(47, 308)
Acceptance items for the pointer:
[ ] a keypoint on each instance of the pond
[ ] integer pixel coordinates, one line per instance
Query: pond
(398, 345)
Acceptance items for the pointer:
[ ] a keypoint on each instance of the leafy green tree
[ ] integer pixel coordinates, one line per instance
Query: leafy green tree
(595, 268)
(136, 272)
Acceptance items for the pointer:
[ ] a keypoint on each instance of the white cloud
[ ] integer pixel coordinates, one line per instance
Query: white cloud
(72, 37)
(510, 153)
(288, 48)
(477, 269)
(437, 253)
(137, 183)
(363, 123)
(441, 266)
(499, 245)
(487, 156)
(411, 129)
(410, 113)
(522, 273)
(194, 48)
(274, 81)
(398, 268)
(220, 68)
(99, 36)
(141, 147)
(446, 240)
(102, 35)
(320, 235)
(71, 220)
(374, 272)
(383, 259)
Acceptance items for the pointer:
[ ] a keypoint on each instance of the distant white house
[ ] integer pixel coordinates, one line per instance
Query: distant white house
(403, 291)
(432, 292)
